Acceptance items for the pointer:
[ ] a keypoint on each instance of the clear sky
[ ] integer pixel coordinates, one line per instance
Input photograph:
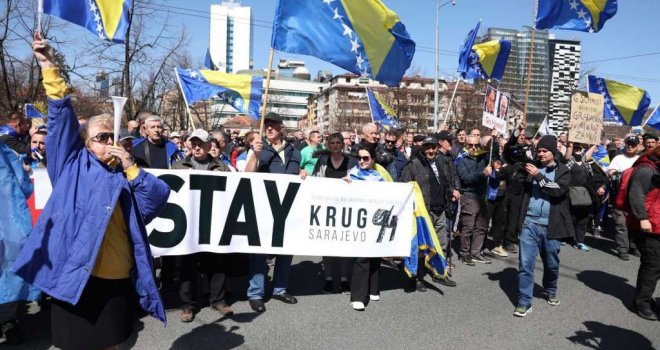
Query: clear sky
(633, 31)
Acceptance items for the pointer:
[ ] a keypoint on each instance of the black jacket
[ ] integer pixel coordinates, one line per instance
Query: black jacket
(417, 170)
(323, 156)
(560, 224)
(214, 165)
(383, 157)
(19, 144)
(448, 167)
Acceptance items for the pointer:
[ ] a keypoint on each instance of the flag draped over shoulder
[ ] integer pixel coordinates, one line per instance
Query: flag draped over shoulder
(425, 241)
(364, 37)
(483, 61)
(241, 91)
(106, 18)
(32, 112)
(381, 113)
(581, 15)
(624, 104)
(654, 119)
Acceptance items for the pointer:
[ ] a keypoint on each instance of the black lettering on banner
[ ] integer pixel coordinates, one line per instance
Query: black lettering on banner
(313, 217)
(330, 215)
(362, 218)
(207, 184)
(346, 219)
(173, 212)
(242, 199)
(279, 210)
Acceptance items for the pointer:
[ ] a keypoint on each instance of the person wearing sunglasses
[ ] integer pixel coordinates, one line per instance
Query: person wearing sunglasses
(334, 164)
(364, 283)
(395, 168)
(15, 133)
(89, 249)
(473, 172)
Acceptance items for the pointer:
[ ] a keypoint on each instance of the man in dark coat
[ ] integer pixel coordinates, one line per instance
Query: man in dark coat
(547, 220)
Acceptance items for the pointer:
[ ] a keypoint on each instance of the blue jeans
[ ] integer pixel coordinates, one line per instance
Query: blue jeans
(534, 240)
(257, 275)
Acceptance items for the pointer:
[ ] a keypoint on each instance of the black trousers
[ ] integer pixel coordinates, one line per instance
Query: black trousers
(365, 279)
(498, 218)
(213, 267)
(513, 213)
(580, 216)
(649, 268)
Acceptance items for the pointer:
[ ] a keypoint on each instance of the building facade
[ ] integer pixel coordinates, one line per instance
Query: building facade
(565, 62)
(230, 45)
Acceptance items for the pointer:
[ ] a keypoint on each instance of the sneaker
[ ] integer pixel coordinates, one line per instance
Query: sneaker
(553, 300)
(467, 260)
(358, 305)
(500, 251)
(420, 287)
(583, 247)
(327, 287)
(345, 288)
(481, 259)
(374, 297)
(597, 232)
(445, 281)
(512, 248)
(624, 256)
(522, 310)
(186, 316)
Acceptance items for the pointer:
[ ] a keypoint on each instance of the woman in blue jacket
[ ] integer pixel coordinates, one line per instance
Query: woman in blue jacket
(89, 249)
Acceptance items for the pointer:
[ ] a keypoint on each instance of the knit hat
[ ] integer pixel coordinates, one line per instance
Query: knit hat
(548, 142)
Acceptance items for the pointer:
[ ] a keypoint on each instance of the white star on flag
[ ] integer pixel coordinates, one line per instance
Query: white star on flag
(347, 30)
(92, 6)
(239, 103)
(354, 45)
(99, 28)
(588, 22)
(574, 5)
(97, 18)
(193, 74)
(582, 13)
(328, 1)
(337, 15)
(359, 60)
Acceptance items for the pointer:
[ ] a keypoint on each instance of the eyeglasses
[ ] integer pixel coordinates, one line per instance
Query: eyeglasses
(475, 145)
(390, 142)
(103, 137)
(364, 159)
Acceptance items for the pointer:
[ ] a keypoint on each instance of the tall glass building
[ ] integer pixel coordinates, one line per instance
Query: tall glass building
(230, 37)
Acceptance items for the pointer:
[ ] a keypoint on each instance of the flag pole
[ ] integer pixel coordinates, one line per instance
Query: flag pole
(451, 101)
(531, 58)
(185, 100)
(436, 85)
(263, 107)
(40, 10)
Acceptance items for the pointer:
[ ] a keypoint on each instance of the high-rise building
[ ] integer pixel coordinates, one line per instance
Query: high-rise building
(514, 80)
(230, 37)
(565, 62)
(102, 84)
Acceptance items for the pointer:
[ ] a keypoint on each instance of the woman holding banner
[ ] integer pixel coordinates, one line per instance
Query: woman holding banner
(89, 248)
(364, 283)
(333, 163)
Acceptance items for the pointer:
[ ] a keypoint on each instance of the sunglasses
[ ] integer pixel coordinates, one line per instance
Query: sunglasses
(103, 137)
(473, 145)
(364, 159)
(390, 142)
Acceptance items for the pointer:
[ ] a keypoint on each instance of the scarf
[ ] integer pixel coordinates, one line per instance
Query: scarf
(356, 173)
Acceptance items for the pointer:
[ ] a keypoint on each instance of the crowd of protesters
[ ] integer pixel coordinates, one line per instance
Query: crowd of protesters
(89, 251)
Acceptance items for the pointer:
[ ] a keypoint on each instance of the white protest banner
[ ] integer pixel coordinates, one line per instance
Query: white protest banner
(586, 118)
(496, 107)
(276, 214)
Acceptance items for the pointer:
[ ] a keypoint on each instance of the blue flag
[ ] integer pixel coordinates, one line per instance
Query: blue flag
(106, 18)
(483, 61)
(654, 119)
(364, 37)
(582, 15)
(241, 91)
(32, 112)
(381, 113)
(624, 104)
(208, 62)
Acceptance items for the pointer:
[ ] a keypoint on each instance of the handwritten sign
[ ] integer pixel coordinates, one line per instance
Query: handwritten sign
(586, 118)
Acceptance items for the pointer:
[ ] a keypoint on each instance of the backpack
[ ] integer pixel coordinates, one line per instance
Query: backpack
(621, 201)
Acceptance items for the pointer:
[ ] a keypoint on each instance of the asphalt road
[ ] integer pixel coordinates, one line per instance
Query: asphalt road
(595, 289)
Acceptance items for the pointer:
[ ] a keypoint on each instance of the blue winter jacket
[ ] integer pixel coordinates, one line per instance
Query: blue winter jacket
(15, 225)
(61, 251)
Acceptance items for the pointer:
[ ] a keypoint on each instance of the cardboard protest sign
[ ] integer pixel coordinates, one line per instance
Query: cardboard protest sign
(586, 118)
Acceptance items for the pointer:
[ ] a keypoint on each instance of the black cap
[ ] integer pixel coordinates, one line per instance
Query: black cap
(445, 135)
(430, 140)
(418, 138)
(125, 135)
(274, 117)
(548, 142)
(633, 140)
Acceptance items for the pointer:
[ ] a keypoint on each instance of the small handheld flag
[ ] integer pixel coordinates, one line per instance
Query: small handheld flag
(624, 104)
(381, 113)
(106, 18)
(483, 61)
(364, 37)
(581, 15)
(241, 91)
(32, 112)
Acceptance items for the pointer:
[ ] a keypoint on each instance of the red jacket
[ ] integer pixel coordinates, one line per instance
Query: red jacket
(643, 187)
